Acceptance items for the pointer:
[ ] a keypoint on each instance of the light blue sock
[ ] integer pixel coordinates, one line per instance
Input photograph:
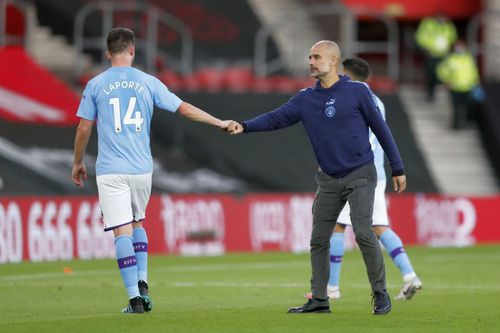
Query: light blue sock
(127, 264)
(141, 253)
(394, 247)
(336, 255)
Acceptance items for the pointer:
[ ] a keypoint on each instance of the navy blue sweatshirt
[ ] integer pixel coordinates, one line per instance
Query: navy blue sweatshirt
(336, 120)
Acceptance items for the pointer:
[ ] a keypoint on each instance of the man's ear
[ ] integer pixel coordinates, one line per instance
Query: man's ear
(334, 60)
(131, 50)
(108, 55)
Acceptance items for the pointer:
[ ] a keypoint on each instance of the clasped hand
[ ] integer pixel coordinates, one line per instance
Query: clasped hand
(232, 127)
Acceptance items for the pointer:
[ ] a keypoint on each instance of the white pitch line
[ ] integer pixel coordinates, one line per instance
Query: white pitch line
(239, 266)
(239, 284)
(218, 284)
(463, 256)
(51, 275)
(231, 267)
(184, 268)
(349, 286)
(436, 286)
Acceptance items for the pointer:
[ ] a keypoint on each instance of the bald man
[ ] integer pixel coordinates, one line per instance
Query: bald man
(336, 114)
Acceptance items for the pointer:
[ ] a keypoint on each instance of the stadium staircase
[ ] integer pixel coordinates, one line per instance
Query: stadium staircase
(54, 52)
(456, 159)
(293, 40)
(50, 50)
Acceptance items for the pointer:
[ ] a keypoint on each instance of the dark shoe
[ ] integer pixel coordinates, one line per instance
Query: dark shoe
(381, 303)
(312, 306)
(134, 306)
(143, 288)
(147, 302)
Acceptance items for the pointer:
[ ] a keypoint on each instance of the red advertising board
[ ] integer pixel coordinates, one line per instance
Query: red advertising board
(61, 228)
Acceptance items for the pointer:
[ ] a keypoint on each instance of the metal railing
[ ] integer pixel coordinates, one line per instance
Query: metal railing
(353, 46)
(150, 45)
(389, 47)
(5, 38)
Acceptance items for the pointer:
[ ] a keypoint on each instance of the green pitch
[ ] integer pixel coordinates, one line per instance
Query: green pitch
(251, 293)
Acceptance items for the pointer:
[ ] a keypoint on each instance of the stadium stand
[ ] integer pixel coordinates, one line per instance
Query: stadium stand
(54, 139)
(223, 81)
(223, 47)
(219, 37)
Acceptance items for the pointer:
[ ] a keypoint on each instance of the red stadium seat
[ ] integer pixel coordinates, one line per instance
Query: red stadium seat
(382, 84)
(172, 80)
(263, 84)
(85, 78)
(238, 79)
(15, 21)
(190, 83)
(210, 79)
(286, 84)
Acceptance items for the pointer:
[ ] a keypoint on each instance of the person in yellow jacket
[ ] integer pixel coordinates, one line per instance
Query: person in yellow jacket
(435, 36)
(459, 72)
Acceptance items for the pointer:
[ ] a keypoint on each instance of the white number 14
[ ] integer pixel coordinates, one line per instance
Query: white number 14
(128, 120)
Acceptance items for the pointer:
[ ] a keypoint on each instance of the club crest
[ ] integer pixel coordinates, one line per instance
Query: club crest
(330, 109)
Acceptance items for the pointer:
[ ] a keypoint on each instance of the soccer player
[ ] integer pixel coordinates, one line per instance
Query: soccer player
(336, 114)
(359, 70)
(121, 100)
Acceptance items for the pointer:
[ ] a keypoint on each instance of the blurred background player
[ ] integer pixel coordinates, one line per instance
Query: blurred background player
(359, 70)
(123, 99)
(435, 36)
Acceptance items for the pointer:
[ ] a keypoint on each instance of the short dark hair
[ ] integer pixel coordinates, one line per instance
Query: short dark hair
(358, 67)
(119, 39)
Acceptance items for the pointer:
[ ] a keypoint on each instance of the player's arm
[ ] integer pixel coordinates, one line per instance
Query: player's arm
(166, 100)
(386, 140)
(193, 113)
(286, 115)
(384, 136)
(83, 132)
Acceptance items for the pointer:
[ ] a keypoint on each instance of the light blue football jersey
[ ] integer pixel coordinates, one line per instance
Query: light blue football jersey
(378, 152)
(122, 100)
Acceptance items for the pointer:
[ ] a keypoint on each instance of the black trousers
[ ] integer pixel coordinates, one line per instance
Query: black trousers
(358, 188)
(431, 80)
(463, 107)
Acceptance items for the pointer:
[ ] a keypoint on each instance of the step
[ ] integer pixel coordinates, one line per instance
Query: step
(456, 159)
